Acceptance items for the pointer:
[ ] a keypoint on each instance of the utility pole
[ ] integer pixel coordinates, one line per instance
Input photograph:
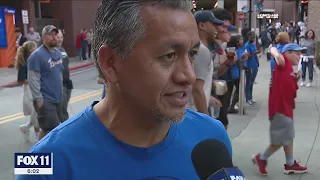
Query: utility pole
(250, 15)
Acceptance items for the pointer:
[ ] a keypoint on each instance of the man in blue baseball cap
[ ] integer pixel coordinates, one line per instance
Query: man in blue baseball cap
(283, 90)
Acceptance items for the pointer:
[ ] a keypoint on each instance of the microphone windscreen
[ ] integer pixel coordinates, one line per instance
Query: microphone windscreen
(209, 156)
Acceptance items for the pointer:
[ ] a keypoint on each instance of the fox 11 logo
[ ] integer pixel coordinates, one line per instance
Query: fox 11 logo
(33, 163)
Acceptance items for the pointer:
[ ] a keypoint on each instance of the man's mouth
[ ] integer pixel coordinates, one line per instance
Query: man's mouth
(179, 94)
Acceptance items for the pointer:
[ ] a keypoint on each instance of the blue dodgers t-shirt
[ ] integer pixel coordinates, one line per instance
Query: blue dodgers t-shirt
(235, 70)
(252, 63)
(84, 149)
(50, 66)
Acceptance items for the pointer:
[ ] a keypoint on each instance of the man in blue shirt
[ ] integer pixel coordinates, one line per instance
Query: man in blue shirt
(141, 130)
(45, 79)
(252, 65)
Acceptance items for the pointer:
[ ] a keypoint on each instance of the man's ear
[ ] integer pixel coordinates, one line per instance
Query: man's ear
(106, 60)
(201, 26)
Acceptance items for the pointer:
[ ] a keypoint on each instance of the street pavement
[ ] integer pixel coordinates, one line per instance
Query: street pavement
(86, 90)
(8, 76)
(249, 133)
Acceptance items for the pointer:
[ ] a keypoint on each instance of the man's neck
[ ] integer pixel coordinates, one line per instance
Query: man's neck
(129, 125)
(204, 40)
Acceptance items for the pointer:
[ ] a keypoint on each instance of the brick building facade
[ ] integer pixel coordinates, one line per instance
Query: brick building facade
(313, 16)
(70, 15)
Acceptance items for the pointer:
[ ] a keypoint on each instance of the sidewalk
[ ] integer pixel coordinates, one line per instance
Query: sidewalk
(250, 133)
(8, 76)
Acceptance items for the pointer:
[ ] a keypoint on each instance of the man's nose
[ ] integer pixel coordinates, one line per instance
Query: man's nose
(184, 72)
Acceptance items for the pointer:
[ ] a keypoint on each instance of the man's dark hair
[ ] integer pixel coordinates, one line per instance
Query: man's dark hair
(222, 14)
(234, 41)
(244, 33)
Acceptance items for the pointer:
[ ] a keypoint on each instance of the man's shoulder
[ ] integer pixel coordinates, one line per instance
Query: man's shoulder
(203, 51)
(40, 51)
(67, 134)
(200, 120)
(201, 126)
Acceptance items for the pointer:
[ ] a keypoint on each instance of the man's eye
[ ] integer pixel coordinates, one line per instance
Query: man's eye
(170, 57)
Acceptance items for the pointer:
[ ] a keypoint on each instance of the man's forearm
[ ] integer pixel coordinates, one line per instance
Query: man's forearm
(200, 101)
(34, 84)
(224, 67)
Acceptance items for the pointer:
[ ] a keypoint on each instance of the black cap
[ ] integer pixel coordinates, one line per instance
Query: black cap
(251, 34)
(205, 16)
(47, 29)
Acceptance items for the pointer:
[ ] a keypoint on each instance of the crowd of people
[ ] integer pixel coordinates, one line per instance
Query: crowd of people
(155, 66)
(83, 43)
(277, 35)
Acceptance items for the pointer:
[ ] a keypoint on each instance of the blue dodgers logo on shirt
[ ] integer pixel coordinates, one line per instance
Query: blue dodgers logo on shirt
(228, 174)
(52, 63)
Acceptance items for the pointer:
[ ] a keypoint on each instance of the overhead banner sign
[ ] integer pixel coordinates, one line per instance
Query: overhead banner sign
(3, 32)
(267, 16)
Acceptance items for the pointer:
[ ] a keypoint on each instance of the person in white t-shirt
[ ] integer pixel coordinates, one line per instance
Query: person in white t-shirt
(208, 26)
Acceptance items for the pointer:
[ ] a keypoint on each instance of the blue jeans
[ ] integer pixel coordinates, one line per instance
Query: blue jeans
(79, 53)
(251, 75)
(308, 65)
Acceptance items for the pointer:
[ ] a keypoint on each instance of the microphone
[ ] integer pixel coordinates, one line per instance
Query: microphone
(212, 161)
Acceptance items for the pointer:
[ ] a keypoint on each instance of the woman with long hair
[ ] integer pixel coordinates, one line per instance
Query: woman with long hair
(309, 57)
(21, 65)
(242, 56)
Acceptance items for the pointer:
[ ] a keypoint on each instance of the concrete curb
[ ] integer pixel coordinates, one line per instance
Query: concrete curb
(72, 69)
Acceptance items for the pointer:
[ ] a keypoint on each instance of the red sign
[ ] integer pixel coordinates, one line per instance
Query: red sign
(241, 16)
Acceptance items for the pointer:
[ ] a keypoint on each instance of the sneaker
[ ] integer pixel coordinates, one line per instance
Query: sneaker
(232, 110)
(26, 132)
(24, 129)
(236, 106)
(250, 102)
(296, 168)
(309, 84)
(253, 102)
(301, 84)
(261, 164)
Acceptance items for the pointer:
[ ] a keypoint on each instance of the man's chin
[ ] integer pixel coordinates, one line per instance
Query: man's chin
(173, 118)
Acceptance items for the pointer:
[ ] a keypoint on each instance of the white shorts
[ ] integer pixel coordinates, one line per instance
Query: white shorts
(28, 108)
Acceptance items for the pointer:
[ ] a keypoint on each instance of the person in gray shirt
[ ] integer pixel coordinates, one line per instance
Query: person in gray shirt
(45, 80)
(67, 82)
(33, 36)
(309, 57)
(203, 64)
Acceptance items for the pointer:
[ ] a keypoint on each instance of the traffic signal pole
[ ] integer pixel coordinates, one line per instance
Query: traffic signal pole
(250, 14)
